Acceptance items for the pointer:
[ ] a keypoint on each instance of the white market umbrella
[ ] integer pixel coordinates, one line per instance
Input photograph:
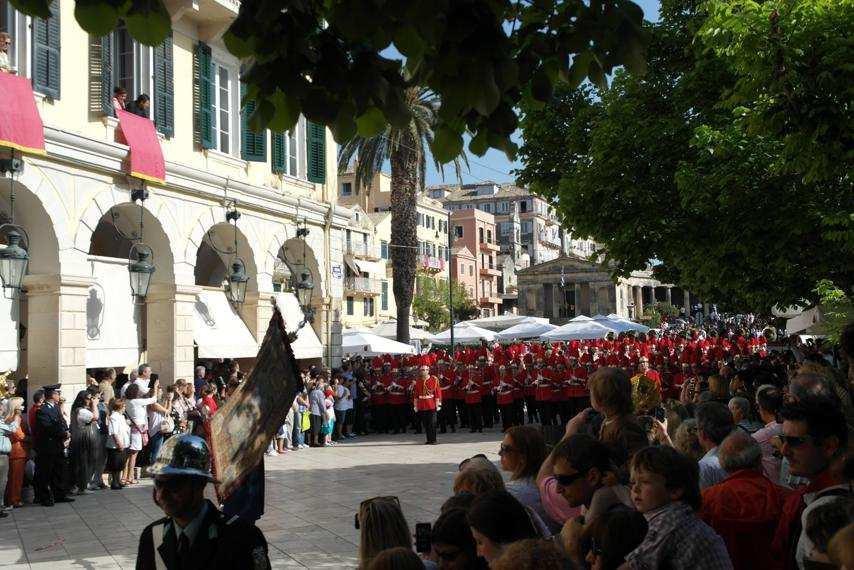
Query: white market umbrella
(580, 319)
(583, 330)
(371, 344)
(620, 324)
(388, 329)
(464, 333)
(502, 322)
(525, 330)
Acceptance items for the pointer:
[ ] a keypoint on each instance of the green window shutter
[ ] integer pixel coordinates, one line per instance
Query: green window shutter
(316, 152)
(164, 89)
(205, 118)
(253, 146)
(107, 75)
(46, 51)
(277, 152)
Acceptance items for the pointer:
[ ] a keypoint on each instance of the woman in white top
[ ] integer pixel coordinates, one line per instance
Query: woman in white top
(85, 439)
(137, 413)
(157, 413)
(117, 442)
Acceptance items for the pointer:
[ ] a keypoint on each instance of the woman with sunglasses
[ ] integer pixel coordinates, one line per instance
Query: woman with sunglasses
(381, 525)
(522, 452)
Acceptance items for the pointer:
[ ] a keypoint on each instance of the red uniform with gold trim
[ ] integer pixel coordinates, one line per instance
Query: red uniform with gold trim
(427, 394)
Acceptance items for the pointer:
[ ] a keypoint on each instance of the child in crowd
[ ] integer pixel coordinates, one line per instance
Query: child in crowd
(666, 490)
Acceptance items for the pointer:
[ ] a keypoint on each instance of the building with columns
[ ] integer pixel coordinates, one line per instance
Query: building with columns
(571, 285)
(76, 312)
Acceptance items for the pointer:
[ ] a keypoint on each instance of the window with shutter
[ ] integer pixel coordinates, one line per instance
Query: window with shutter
(253, 146)
(46, 46)
(204, 121)
(164, 89)
(107, 75)
(316, 150)
(277, 152)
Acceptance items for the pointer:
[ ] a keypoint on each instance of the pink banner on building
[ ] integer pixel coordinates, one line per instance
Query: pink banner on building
(20, 123)
(145, 159)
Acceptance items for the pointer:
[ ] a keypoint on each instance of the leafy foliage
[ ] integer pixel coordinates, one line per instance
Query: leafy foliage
(690, 164)
(653, 313)
(837, 308)
(330, 59)
(431, 304)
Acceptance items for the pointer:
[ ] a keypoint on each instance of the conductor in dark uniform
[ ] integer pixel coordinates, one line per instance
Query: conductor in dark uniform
(50, 449)
(194, 534)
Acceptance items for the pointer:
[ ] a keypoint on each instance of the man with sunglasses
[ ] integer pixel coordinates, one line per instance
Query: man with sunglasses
(194, 534)
(814, 441)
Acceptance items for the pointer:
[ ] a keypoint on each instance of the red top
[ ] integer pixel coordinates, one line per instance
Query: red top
(427, 394)
(744, 509)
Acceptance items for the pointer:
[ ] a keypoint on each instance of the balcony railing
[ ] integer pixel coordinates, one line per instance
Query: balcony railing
(490, 271)
(489, 246)
(363, 285)
(362, 249)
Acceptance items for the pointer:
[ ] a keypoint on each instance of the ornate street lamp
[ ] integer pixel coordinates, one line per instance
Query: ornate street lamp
(235, 283)
(237, 280)
(140, 269)
(14, 258)
(304, 286)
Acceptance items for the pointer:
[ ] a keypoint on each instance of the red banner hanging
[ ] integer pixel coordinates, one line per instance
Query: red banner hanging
(146, 157)
(21, 125)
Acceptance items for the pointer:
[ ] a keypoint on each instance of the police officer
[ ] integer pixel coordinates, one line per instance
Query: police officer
(50, 449)
(194, 534)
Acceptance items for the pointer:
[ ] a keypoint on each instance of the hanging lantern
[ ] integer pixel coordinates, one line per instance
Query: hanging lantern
(237, 281)
(13, 262)
(140, 269)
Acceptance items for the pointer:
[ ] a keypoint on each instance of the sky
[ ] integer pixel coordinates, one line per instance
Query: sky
(494, 165)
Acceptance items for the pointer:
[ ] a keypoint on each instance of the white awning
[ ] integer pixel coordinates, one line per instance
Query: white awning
(372, 268)
(112, 316)
(351, 263)
(218, 330)
(8, 334)
(307, 345)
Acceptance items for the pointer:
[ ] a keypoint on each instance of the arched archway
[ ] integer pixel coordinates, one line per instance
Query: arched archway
(216, 251)
(117, 329)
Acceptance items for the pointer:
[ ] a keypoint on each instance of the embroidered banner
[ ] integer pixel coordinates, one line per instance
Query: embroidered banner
(145, 159)
(21, 125)
(250, 418)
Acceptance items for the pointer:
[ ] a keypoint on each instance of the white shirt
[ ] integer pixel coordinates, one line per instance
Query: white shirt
(711, 471)
(343, 402)
(141, 382)
(84, 417)
(118, 426)
(137, 412)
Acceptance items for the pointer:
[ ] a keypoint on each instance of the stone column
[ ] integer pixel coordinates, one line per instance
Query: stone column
(584, 302)
(638, 293)
(686, 302)
(169, 330)
(668, 298)
(56, 332)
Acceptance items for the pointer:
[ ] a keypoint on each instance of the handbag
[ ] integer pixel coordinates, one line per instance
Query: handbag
(305, 422)
(167, 425)
(143, 433)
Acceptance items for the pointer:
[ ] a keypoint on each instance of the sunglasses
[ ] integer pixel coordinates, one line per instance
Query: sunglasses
(366, 502)
(793, 441)
(567, 480)
(505, 449)
(465, 462)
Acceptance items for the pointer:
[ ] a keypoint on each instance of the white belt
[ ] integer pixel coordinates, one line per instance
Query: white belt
(425, 397)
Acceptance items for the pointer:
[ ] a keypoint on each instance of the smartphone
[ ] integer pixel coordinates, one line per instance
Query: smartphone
(422, 537)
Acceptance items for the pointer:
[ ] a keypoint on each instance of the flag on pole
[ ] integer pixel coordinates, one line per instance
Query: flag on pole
(250, 418)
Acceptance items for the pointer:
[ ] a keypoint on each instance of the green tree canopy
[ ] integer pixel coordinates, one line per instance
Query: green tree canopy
(329, 59)
(696, 164)
(431, 303)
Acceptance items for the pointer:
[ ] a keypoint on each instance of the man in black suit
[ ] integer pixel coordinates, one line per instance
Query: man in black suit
(194, 535)
(50, 449)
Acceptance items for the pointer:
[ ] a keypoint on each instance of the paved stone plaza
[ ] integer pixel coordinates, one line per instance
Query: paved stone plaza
(311, 497)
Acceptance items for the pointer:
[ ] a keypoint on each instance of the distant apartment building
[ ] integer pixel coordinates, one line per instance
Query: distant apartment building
(473, 233)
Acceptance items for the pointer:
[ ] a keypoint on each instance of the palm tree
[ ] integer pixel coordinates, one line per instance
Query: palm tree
(406, 150)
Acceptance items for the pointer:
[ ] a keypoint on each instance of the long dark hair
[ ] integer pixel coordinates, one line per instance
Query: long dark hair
(452, 528)
(531, 447)
(79, 401)
(501, 518)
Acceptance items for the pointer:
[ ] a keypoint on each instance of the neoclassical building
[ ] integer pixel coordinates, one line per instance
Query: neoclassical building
(571, 285)
(75, 311)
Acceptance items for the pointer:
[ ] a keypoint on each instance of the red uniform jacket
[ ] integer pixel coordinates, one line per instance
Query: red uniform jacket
(427, 394)
(471, 385)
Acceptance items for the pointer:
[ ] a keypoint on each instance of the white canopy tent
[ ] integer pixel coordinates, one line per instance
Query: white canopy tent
(627, 325)
(525, 330)
(218, 330)
(501, 322)
(616, 325)
(464, 333)
(307, 345)
(580, 319)
(370, 344)
(388, 329)
(577, 331)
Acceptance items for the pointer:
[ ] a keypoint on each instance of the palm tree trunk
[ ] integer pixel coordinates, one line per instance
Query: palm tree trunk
(404, 228)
